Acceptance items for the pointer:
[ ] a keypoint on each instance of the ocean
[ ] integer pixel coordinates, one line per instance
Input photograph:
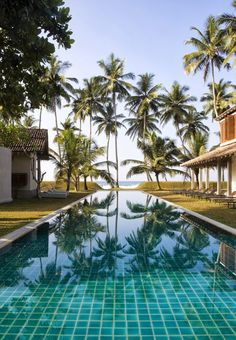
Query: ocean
(122, 184)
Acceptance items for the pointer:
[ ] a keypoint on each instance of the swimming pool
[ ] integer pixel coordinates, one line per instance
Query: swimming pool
(119, 265)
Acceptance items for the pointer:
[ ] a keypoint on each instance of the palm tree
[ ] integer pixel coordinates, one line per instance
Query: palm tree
(223, 96)
(71, 153)
(144, 106)
(229, 32)
(108, 123)
(60, 87)
(89, 167)
(193, 123)
(114, 83)
(196, 146)
(161, 158)
(174, 106)
(140, 126)
(209, 53)
(88, 102)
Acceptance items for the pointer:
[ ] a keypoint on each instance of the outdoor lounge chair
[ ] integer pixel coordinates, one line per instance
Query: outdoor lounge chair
(52, 193)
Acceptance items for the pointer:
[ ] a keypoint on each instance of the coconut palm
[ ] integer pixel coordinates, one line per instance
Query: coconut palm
(108, 123)
(144, 106)
(71, 152)
(88, 102)
(195, 147)
(60, 86)
(209, 53)
(229, 32)
(114, 83)
(140, 126)
(193, 123)
(224, 96)
(174, 105)
(89, 167)
(161, 158)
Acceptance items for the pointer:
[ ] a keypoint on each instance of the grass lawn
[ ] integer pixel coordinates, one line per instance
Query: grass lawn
(22, 211)
(212, 210)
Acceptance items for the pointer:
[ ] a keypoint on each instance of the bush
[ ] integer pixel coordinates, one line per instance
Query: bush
(61, 185)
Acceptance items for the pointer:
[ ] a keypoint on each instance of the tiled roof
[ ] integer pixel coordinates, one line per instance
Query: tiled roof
(36, 140)
(211, 157)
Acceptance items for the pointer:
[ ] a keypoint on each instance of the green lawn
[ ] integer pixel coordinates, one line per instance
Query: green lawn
(22, 211)
(212, 210)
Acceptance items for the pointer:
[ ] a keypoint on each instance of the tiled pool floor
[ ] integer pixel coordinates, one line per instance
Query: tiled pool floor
(49, 290)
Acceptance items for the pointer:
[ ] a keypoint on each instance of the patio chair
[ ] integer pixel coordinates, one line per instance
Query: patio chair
(53, 193)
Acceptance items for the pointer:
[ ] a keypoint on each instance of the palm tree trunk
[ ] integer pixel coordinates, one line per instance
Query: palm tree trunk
(196, 172)
(108, 142)
(57, 129)
(40, 116)
(144, 139)
(213, 88)
(85, 183)
(80, 126)
(116, 137)
(90, 136)
(158, 182)
(180, 137)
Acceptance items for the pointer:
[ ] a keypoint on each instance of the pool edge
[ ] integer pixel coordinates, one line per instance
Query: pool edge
(217, 224)
(7, 239)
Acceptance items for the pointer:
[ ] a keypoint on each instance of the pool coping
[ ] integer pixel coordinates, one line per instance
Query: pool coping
(217, 224)
(9, 238)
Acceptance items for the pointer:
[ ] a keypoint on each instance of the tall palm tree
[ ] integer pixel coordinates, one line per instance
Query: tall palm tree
(114, 83)
(223, 96)
(193, 123)
(174, 105)
(209, 53)
(108, 123)
(144, 106)
(88, 102)
(161, 158)
(60, 86)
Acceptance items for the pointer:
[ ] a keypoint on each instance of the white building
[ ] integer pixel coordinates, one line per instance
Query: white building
(223, 157)
(18, 165)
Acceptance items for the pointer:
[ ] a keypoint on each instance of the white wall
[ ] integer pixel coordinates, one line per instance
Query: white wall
(5, 175)
(23, 164)
(233, 173)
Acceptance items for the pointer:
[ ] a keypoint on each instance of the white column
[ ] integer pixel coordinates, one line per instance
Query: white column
(192, 179)
(229, 177)
(218, 178)
(200, 179)
(207, 178)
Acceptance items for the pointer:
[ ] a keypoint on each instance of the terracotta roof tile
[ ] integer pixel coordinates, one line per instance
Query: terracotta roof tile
(36, 141)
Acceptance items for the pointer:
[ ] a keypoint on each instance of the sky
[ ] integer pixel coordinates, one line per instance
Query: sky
(150, 36)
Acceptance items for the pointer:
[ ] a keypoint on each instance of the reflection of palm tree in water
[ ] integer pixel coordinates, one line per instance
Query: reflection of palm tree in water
(142, 247)
(188, 250)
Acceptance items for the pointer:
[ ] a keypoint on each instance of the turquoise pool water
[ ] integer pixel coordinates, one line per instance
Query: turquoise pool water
(119, 266)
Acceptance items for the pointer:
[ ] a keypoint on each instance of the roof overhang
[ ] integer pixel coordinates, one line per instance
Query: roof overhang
(222, 153)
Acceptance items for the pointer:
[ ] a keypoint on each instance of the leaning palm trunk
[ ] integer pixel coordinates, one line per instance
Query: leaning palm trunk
(116, 137)
(213, 88)
(158, 182)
